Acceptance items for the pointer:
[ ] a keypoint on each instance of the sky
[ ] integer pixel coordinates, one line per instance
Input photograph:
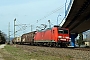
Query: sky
(29, 12)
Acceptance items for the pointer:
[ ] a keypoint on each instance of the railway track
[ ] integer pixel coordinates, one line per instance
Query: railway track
(74, 48)
(76, 53)
(83, 49)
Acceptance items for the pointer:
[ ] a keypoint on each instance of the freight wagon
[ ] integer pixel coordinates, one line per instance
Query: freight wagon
(16, 40)
(28, 38)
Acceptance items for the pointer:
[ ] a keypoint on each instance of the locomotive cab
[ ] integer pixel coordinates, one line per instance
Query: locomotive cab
(60, 35)
(63, 35)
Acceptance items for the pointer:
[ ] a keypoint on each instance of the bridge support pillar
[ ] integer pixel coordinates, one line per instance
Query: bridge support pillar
(73, 36)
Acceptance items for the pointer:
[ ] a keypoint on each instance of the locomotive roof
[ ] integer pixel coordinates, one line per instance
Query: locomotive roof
(51, 28)
(44, 29)
(29, 32)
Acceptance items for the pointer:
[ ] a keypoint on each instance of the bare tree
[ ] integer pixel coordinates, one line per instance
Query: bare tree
(3, 37)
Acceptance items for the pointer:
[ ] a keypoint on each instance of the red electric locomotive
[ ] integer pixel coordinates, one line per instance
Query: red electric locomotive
(55, 36)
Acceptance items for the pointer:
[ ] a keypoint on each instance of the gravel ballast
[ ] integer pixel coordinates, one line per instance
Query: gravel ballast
(60, 52)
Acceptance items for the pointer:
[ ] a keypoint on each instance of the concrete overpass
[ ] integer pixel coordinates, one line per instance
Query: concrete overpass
(78, 19)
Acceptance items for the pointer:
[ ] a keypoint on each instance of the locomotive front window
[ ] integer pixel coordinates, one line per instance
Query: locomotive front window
(63, 31)
(60, 31)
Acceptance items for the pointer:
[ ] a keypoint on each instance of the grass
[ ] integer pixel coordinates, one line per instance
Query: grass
(13, 53)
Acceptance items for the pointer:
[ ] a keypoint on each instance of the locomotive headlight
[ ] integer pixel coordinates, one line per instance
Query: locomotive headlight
(59, 36)
(67, 37)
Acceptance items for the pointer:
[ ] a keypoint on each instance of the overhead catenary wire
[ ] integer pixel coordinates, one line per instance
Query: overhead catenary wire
(52, 12)
(22, 27)
(38, 20)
